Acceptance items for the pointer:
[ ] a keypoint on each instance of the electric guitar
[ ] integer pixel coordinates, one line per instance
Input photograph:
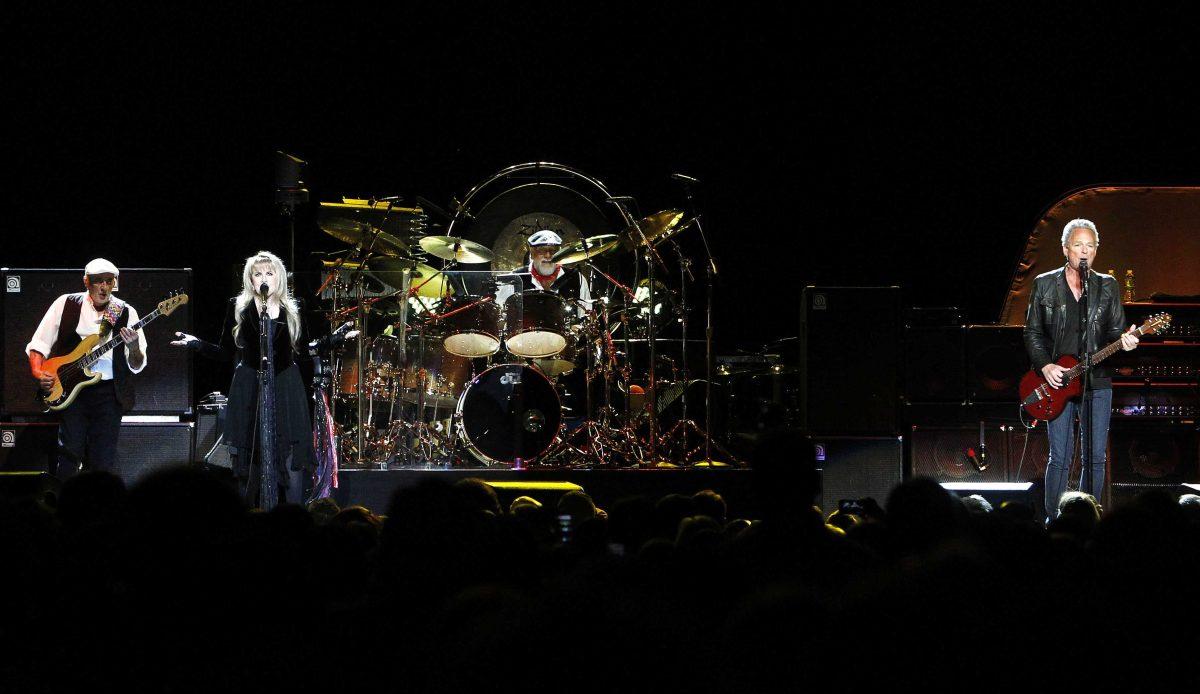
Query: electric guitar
(72, 372)
(1042, 401)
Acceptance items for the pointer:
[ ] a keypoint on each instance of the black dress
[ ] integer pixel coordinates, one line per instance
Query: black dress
(293, 418)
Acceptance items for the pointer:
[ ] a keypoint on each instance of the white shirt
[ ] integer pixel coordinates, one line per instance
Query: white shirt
(89, 324)
(505, 289)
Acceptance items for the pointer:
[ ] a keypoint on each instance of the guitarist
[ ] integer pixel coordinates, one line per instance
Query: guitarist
(90, 426)
(1052, 329)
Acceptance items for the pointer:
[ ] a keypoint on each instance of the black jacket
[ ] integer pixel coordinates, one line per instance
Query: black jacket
(1047, 336)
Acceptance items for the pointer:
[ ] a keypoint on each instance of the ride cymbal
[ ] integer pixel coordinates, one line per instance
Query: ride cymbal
(584, 249)
(647, 229)
(454, 248)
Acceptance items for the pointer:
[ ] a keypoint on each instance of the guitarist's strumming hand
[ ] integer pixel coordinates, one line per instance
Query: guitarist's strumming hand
(1128, 339)
(1053, 374)
(46, 381)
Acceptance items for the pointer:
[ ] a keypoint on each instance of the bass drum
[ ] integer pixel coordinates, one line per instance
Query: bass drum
(509, 414)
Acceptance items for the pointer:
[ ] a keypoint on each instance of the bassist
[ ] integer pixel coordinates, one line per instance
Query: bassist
(90, 426)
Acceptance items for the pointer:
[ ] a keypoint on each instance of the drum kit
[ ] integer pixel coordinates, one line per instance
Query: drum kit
(456, 364)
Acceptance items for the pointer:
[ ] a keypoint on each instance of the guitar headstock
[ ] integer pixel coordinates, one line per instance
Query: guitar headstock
(1156, 323)
(176, 299)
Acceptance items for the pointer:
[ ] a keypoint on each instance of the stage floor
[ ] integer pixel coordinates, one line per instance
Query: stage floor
(374, 488)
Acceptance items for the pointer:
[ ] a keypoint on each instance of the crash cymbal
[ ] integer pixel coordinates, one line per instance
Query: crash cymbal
(583, 249)
(355, 232)
(354, 220)
(430, 283)
(648, 229)
(454, 248)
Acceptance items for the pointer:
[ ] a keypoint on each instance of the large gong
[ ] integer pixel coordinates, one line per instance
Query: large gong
(513, 203)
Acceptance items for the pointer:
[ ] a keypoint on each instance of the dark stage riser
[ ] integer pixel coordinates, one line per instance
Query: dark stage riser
(374, 488)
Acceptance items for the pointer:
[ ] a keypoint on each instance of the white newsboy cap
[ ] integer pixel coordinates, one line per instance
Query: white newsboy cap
(545, 237)
(100, 266)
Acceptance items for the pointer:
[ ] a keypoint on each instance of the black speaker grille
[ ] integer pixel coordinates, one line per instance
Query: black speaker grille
(145, 447)
(163, 387)
(853, 467)
(941, 453)
(850, 348)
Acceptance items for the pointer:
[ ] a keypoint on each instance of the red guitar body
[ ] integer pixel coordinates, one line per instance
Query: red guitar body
(1042, 401)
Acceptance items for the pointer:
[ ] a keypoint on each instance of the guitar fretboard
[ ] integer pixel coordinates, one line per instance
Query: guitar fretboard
(1101, 354)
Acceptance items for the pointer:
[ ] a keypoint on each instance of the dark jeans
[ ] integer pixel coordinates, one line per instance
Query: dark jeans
(88, 431)
(1063, 434)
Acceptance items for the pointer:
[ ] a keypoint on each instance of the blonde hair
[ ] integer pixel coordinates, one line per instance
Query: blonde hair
(286, 303)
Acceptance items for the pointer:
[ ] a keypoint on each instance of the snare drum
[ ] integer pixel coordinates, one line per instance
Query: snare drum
(509, 413)
(473, 328)
(535, 324)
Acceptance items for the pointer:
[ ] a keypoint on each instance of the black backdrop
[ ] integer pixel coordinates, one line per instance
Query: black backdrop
(860, 147)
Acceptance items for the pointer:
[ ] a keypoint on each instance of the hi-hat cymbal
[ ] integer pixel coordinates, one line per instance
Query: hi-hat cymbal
(378, 264)
(583, 249)
(454, 248)
(647, 229)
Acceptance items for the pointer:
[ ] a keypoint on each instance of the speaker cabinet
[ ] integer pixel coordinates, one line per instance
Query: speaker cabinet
(209, 420)
(935, 364)
(849, 353)
(163, 387)
(853, 467)
(1028, 451)
(996, 361)
(148, 446)
(952, 453)
(1153, 453)
(27, 447)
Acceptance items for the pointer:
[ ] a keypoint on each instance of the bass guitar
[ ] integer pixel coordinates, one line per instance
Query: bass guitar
(1043, 401)
(72, 372)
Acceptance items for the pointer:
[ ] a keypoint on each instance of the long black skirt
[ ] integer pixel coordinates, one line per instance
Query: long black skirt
(293, 420)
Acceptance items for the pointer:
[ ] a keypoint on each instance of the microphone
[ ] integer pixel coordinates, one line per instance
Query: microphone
(685, 178)
(263, 289)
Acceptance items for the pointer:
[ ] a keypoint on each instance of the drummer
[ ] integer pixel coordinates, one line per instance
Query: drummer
(543, 274)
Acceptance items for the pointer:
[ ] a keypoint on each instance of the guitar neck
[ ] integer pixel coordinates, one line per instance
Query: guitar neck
(1102, 354)
(103, 349)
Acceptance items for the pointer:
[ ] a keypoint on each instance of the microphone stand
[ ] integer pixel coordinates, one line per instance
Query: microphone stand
(710, 272)
(651, 386)
(1085, 418)
(268, 482)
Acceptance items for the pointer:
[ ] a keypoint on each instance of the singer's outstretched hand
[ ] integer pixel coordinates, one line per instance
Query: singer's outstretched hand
(184, 339)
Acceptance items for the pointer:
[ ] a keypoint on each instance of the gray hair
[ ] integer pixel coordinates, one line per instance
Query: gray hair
(1080, 223)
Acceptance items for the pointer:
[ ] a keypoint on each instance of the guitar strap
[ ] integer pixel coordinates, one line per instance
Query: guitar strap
(110, 314)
